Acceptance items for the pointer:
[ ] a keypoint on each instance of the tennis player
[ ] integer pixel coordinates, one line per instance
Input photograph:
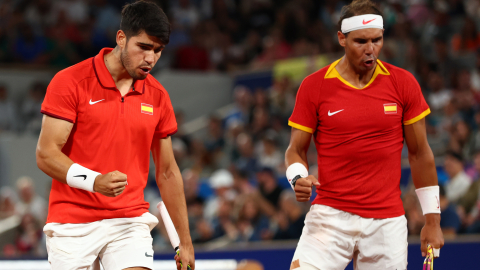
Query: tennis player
(360, 110)
(102, 118)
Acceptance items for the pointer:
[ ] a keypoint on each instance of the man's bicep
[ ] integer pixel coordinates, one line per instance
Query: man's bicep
(162, 152)
(416, 136)
(300, 139)
(54, 132)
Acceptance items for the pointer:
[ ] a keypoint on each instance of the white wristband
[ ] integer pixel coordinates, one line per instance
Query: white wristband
(81, 177)
(429, 198)
(294, 170)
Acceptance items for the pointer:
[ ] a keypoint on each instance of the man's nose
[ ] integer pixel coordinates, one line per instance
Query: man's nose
(369, 48)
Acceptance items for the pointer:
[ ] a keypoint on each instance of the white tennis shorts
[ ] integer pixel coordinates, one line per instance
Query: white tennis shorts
(116, 243)
(331, 238)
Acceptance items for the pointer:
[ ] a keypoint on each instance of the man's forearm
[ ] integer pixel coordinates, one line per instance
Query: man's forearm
(294, 155)
(423, 169)
(424, 174)
(170, 184)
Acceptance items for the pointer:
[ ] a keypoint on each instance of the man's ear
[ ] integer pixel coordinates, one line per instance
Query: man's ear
(342, 39)
(121, 39)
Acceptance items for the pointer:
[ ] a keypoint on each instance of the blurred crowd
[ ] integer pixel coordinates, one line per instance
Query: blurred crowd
(22, 216)
(233, 175)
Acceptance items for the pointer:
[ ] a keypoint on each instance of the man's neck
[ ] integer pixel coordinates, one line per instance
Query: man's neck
(353, 76)
(120, 76)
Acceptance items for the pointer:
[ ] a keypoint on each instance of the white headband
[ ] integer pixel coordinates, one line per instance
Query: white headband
(362, 22)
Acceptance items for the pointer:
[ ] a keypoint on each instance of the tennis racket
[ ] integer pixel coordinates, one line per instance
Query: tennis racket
(428, 263)
(172, 233)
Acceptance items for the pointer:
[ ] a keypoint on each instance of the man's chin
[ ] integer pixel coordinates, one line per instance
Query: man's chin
(139, 76)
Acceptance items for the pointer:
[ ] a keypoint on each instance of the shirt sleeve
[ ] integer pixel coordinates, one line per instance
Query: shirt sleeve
(304, 116)
(61, 98)
(415, 107)
(167, 125)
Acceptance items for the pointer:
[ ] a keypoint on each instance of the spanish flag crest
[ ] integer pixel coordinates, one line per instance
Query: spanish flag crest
(147, 108)
(390, 108)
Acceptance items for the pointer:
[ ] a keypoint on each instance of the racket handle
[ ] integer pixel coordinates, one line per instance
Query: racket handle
(188, 266)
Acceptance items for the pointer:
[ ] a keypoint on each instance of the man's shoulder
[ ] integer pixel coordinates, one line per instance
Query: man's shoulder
(318, 75)
(77, 72)
(155, 85)
(397, 72)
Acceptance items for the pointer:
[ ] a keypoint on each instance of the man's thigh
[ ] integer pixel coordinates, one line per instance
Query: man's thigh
(130, 248)
(74, 246)
(327, 241)
(383, 245)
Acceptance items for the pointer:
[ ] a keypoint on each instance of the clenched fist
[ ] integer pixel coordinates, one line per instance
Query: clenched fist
(111, 184)
(303, 188)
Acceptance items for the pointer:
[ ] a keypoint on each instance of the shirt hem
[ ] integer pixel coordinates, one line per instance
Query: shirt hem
(364, 214)
(57, 116)
(300, 127)
(418, 118)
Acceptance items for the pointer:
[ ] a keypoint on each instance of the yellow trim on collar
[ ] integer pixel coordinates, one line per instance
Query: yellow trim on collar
(418, 118)
(298, 126)
(333, 73)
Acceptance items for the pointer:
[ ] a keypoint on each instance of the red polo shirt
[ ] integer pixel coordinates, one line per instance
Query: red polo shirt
(110, 132)
(359, 138)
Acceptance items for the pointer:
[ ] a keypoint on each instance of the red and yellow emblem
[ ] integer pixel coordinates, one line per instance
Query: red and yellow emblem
(390, 108)
(147, 108)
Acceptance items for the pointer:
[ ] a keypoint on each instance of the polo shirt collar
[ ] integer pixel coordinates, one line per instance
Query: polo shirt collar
(104, 76)
(333, 73)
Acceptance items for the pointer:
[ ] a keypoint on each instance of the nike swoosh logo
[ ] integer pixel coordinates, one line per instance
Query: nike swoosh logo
(365, 22)
(82, 175)
(146, 255)
(91, 103)
(330, 114)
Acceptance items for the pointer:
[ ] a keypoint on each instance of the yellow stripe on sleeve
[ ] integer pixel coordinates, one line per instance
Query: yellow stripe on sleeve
(297, 126)
(416, 119)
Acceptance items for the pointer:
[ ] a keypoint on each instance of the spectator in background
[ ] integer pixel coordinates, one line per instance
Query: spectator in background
(468, 200)
(7, 111)
(241, 183)
(8, 202)
(463, 95)
(243, 104)
(223, 224)
(282, 96)
(192, 56)
(247, 161)
(468, 40)
(459, 181)
(32, 105)
(29, 237)
(450, 221)
(30, 202)
(222, 183)
(439, 96)
(475, 75)
(106, 23)
(185, 14)
(461, 140)
(268, 153)
(180, 152)
(30, 47)
(214, 141)
(268, 186)
(75, 10)
(290, 218)
(252, 223)
(474, 218)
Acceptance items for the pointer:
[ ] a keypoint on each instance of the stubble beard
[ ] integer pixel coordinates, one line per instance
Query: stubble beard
(127, 64)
